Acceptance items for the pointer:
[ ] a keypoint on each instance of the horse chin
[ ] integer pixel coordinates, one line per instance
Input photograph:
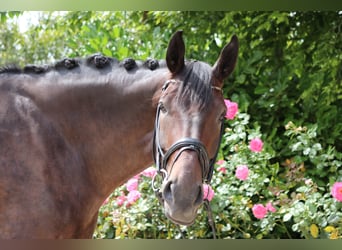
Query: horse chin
(177, 219)
(183, 223)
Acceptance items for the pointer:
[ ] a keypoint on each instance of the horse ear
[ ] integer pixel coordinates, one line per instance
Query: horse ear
(175, 53)
(225, 64)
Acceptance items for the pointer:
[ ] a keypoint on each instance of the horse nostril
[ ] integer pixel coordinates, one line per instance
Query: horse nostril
(167, 192)
(199, 198)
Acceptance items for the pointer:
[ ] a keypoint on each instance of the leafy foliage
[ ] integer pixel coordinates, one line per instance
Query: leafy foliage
(288, 86)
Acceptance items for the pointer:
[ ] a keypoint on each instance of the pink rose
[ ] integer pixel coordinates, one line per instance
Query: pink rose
(149, 172)
(132, 184)
(136, 176)
(259, 211)
(222, 169)
(270, 207)
(208, 192)
(242, 172)
(336, 191)
(220, 162)
(120, 200)
(256, 145)
(232, 109)
(133, 196)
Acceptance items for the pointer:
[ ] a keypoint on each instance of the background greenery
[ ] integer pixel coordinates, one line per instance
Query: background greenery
(288, 86)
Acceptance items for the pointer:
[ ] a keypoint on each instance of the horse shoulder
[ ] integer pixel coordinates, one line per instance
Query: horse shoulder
(37, 167)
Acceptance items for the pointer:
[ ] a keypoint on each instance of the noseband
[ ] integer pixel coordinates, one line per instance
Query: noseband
(161, 158)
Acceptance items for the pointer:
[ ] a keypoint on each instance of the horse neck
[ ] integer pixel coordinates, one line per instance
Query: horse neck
(109, 124)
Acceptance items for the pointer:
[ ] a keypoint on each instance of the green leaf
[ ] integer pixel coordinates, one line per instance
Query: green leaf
(115, 33)
(107, 52)
(306, 151)
(287, 217)
(241, 78)
(94, 44)
(122, 52)
(261, 90)
(3, 17)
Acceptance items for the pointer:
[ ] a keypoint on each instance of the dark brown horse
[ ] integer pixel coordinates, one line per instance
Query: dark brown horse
(70, 133)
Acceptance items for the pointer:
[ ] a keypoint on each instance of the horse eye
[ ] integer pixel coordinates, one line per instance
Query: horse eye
(162, 107)
(222, 117)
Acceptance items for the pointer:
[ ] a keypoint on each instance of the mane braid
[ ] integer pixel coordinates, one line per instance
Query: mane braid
(99, 61)
(11, 68)
(34, 69)
(67, 63)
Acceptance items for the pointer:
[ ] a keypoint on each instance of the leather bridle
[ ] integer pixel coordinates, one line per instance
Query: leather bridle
(162, 157)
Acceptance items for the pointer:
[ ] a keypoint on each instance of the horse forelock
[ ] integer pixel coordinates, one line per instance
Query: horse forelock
(196, 84)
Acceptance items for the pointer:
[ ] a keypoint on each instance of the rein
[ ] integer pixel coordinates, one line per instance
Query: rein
(161, 158)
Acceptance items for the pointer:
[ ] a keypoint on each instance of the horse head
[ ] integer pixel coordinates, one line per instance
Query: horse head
(189, 126)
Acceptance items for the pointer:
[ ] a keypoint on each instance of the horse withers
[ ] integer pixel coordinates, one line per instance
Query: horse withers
(71, 132)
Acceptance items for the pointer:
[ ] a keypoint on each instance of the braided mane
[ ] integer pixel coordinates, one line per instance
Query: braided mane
(97, 61)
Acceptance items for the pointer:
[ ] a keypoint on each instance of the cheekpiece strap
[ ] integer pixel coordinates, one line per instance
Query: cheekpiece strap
(167, 83)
